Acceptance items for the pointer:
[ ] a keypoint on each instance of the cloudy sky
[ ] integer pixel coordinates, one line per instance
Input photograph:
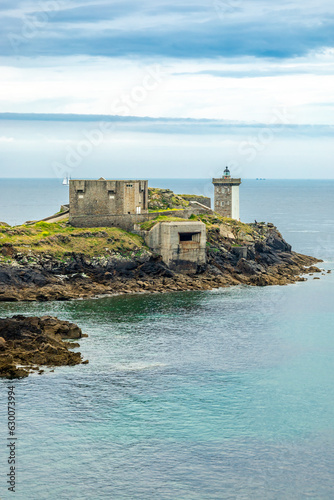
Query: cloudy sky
(166, 88)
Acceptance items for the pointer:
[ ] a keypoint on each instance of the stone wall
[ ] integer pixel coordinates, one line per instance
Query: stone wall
(223, 200)
(204, 200)
(129, 222)
(98, 199)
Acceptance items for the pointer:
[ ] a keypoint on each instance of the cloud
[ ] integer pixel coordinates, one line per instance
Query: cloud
(166, 148)
(263, 71)
(232, 62)
(166, 29)
(165, 126)
(6, 139)
(220, 59)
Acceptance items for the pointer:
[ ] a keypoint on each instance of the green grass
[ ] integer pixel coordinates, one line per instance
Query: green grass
(58, 239)
(164, 210)
(192, 196)
(215, 220)
(239, 226)
(146, 226)
(165, 199)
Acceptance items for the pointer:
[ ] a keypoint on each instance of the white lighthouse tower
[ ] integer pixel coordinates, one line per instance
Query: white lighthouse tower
(227, 195)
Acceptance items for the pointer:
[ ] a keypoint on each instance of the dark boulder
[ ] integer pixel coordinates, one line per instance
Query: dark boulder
(30, 341)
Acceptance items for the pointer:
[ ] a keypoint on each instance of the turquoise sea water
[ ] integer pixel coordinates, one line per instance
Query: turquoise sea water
(227, 394)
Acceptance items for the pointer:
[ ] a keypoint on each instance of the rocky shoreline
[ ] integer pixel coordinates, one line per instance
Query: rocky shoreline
(66, 263)
(93, 279)
(27, 343)
(237, 253)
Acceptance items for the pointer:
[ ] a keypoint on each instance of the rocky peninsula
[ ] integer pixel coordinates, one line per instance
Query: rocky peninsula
(54, 261)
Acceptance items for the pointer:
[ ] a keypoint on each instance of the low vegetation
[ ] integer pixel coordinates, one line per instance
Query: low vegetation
(59, 240)
(214, 219)
(146, 226)
(165, 199)
(191, 197)
(159, 210)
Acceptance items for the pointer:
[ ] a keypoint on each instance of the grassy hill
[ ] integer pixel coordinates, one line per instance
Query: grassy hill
(59, 240)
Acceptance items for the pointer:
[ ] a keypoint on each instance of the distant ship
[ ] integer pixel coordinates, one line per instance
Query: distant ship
(66, 181)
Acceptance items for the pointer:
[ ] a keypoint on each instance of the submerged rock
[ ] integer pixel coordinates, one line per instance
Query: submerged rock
(26, 343)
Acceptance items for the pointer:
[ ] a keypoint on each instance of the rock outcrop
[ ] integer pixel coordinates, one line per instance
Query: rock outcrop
(166, 199)
(57, 262)
(27, 343)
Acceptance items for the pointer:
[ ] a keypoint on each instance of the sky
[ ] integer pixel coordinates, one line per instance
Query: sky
(166, 88)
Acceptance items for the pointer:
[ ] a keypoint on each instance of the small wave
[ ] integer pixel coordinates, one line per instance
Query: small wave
(304, 231)
(138, 366)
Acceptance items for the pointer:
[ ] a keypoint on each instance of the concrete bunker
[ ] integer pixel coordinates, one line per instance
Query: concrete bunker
(182, 245)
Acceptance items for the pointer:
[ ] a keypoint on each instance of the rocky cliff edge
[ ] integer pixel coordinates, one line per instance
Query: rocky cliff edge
(58, 262)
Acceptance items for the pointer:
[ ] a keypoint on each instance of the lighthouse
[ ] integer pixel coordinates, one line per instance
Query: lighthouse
(227, 195)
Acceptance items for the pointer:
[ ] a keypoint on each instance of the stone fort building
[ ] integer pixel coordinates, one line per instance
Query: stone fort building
(124, 204)
(98, 203)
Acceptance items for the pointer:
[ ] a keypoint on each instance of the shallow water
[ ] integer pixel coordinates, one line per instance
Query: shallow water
(223, 394)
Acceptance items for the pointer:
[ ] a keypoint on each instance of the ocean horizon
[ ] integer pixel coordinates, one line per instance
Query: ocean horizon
(310, 201)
